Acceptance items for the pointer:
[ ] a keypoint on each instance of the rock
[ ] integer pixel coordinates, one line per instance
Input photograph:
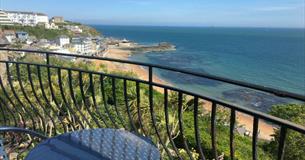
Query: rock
(161, 47)
(257, 100)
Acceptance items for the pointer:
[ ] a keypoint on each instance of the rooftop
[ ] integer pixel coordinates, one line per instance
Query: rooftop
(21, 32)
(24, 12)
(63, 36)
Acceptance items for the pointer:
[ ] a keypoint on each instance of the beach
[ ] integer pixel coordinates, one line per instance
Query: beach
(140, 71)
(265, 130)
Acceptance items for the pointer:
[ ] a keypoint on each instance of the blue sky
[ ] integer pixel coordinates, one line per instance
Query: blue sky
(254, 13)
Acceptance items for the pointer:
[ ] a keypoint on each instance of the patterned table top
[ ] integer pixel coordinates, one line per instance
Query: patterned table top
(102, 144)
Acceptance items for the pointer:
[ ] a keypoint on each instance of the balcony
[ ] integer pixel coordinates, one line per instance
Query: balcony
(45, 94)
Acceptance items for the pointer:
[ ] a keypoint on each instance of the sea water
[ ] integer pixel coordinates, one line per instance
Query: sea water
(271, 57)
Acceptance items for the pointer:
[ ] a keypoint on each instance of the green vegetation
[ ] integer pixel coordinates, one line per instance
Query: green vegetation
(80, 102)
(39, 32)
(242, 143)
(87, 30)
(295, 142)
(70, 23)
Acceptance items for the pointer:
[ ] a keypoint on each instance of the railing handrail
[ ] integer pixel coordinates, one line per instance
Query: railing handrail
(21, 130)
(277, 92)
(237, 107)
(98, 119)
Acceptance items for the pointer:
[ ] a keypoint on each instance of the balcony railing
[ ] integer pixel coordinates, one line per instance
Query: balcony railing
(52, 98)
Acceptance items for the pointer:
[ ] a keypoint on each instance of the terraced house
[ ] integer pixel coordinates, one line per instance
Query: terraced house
(4, 20)
(27, 18)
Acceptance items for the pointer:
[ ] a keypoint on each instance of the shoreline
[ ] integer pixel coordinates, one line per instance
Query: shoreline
(139, 71)
(265, 129)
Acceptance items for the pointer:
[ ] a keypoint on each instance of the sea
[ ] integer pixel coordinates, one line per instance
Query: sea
(270, 57)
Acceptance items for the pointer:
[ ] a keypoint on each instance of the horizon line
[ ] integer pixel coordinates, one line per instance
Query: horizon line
(192, 26)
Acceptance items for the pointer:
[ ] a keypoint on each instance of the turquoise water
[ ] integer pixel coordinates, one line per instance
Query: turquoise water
(264, 56)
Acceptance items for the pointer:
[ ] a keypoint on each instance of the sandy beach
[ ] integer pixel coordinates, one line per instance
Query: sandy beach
(265, 130)
(139, 71)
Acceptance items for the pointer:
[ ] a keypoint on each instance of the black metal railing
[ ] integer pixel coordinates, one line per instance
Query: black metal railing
(51, 98)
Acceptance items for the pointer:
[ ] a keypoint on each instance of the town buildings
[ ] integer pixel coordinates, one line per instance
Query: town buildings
(4, 19)
(27, 18)
(125, 43)
(57, 19)
(87, 45)
(75, 29)
(63, 40)
(22, 36)
(82, 45)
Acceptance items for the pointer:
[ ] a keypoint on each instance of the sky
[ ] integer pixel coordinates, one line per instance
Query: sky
(230, 13)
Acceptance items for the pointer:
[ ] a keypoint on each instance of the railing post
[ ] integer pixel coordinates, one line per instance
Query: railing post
(281, 149)
(3, 57)
(213, 130)
(254, 138)
(150, 74)
(3, 154)
(151, 107)
(196, 125)
(150, 79)
(232, 127)
(48, 58)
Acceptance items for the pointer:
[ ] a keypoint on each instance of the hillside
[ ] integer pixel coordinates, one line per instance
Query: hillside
(42, 33)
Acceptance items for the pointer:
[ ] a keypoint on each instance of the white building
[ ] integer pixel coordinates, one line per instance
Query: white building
(4, 20)
(75, 29)
(57, 19)
(125, 43)
(22, 36)
(27, 18)
(52, 26)
(82, 45)
(42, 18)
(63, 40)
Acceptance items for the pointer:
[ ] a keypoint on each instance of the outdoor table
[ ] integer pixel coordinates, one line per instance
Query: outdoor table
(96, 144)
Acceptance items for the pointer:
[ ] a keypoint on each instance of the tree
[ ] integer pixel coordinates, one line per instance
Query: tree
(295, 142)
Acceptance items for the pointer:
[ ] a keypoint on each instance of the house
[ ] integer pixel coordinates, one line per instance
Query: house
(10, 35)
(57, 19)
(125, 43)
(82, 45)
(75, 29)
(4, 20)
(22, 36)
(63, 40)
(27, 18)
(52, 26)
